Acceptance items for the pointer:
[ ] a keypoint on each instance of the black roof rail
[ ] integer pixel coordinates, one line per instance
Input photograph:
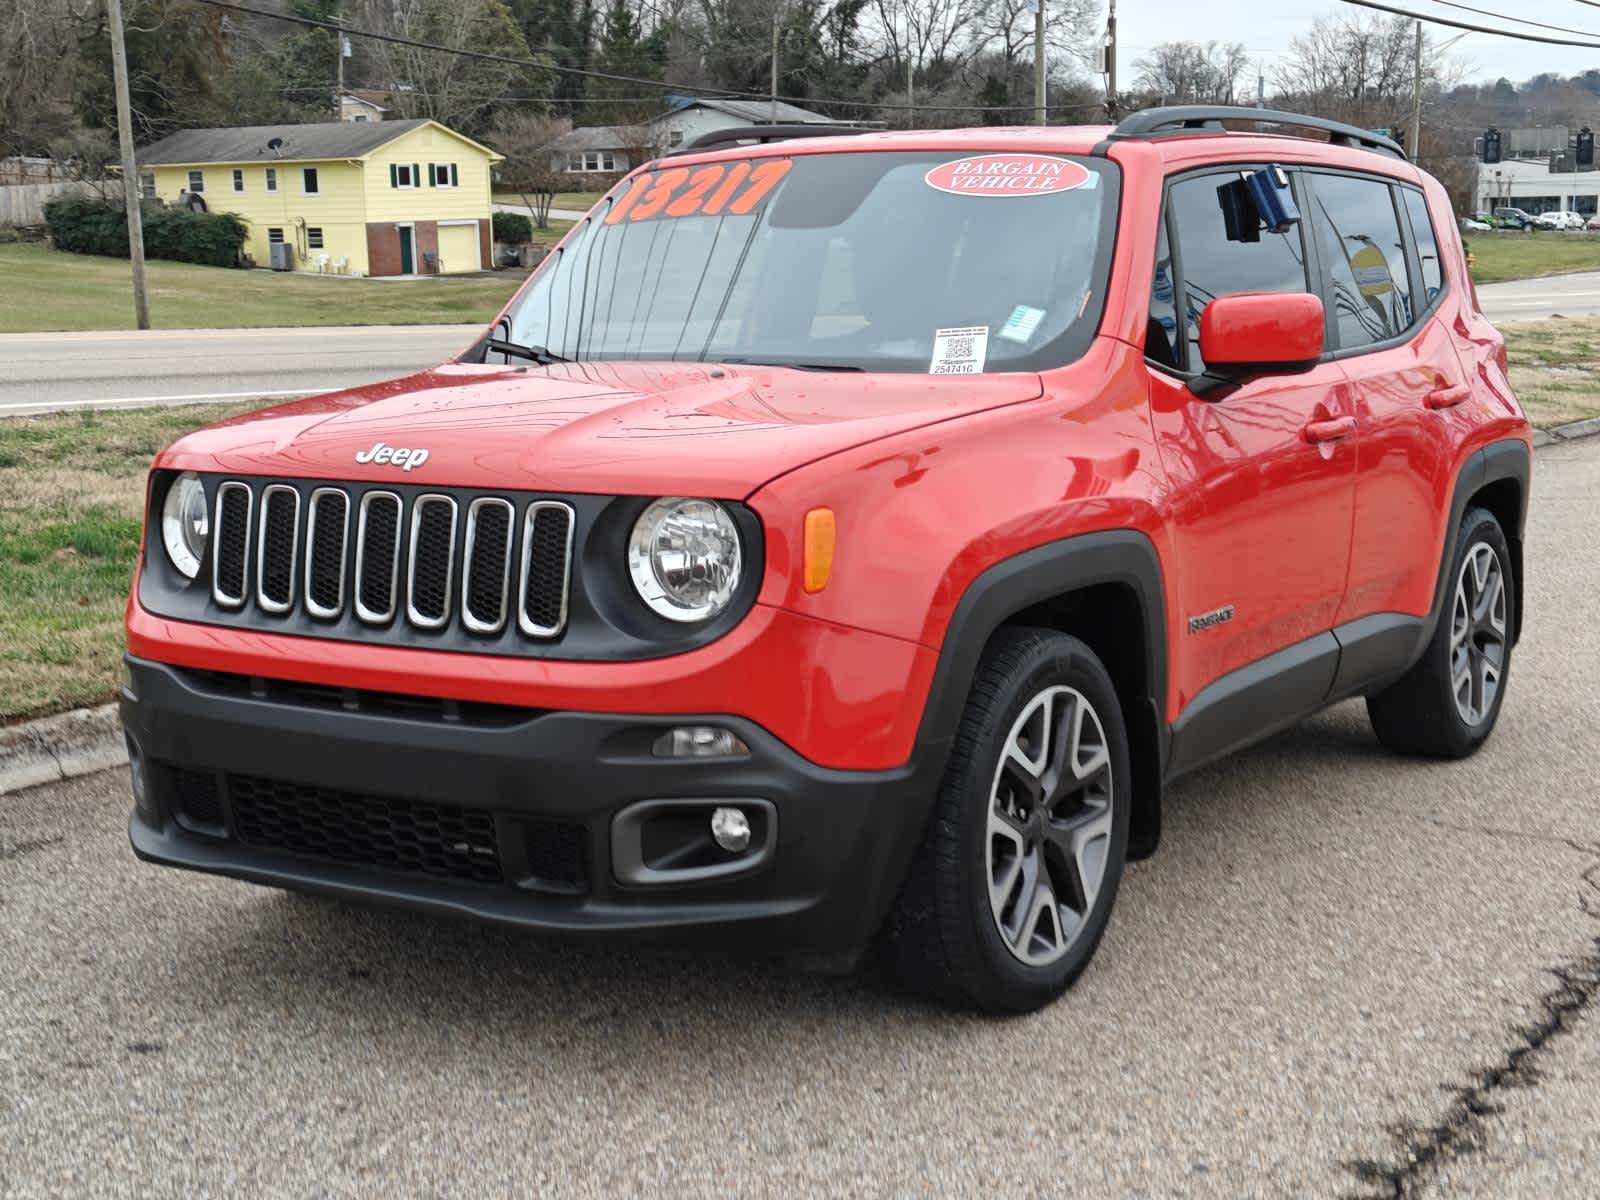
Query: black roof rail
(1191, 118)
(765, 133)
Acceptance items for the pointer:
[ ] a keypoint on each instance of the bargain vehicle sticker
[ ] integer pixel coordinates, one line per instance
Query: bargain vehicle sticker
(734, 189)
(959, 351)
(1008, 175)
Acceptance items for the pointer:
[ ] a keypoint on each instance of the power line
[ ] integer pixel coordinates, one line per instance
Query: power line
(1486, 12)
(676, 88)
(1470, 28)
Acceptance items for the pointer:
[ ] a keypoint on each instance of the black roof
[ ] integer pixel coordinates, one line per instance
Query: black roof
(248, 143)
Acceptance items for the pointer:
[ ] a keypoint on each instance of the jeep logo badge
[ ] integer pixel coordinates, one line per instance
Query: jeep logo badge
(406, 460)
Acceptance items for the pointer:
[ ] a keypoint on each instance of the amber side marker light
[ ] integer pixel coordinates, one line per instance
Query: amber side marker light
(818, 548)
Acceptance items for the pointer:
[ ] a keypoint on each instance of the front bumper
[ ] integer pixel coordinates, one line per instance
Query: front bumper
(510, 815)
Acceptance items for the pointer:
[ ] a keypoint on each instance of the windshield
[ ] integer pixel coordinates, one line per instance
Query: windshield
(915, 262)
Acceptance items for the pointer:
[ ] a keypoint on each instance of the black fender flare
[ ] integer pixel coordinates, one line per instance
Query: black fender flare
(1046, 572)
(1508, 459)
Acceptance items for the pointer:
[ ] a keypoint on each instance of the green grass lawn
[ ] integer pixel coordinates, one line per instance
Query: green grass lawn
(580, 201)
(72, 490)
(1501, 256)
(71, 494)
(47, 289)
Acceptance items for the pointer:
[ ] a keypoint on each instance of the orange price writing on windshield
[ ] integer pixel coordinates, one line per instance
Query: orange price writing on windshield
(737, 188)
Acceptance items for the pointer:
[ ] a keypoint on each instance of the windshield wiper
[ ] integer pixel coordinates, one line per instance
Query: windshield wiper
(536, 354)
(793, 366)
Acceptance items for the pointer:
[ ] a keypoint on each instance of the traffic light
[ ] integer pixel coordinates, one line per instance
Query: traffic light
(1585, 156)
(1491, 145)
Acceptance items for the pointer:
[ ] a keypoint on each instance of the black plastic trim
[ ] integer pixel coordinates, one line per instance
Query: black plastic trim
(1207, 118)
(761, 134)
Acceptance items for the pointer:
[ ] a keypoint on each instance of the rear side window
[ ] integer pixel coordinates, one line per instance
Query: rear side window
(1427, 244)
(1217, 254)
(1364, 256)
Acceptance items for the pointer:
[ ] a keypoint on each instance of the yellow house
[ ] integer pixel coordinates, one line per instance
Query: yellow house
(349, 197)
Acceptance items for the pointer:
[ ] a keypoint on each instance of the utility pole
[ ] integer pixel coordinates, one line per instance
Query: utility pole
(911, 66)
(1039, 102)
(1261, 88)
(338, 91)
(130, 168)
(1416, 100)
(1111, 61)
(772, 111)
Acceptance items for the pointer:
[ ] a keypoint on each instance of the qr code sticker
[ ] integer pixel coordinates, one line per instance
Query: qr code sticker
(959, 351)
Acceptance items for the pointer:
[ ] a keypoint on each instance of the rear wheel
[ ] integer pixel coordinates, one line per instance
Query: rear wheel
(1014, 882)
(1447, 704)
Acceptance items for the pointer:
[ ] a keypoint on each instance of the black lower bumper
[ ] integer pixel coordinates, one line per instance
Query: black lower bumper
(513, 815)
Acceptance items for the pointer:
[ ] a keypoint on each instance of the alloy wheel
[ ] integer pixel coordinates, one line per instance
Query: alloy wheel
(1478, 634)
(1049, 825)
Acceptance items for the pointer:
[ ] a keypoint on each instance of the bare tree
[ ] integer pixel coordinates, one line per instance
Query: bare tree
(1361, 70)
(1191, 72)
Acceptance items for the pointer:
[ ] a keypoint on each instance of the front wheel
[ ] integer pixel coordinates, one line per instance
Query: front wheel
(1014, 882)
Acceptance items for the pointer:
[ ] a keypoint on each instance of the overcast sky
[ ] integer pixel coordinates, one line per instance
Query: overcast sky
(1265, 27)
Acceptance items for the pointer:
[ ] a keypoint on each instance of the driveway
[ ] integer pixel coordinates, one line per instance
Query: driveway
(40, 372)
(1329, 941)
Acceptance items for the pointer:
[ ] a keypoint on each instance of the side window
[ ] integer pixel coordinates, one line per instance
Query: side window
(1364, 255)
(1222, 248)
(1427, 244)
(1161, 344)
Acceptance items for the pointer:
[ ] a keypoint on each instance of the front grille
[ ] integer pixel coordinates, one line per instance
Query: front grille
(429, 561)
(367, 830)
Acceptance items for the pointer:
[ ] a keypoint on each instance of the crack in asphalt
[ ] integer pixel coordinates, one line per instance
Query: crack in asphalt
(1423, 1149)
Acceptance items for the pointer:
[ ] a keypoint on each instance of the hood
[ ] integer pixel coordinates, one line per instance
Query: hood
(607, 427)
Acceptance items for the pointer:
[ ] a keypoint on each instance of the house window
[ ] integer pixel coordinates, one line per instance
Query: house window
(359, 118)
(591, 161)
(675, 138)
(308, 180)
(197, 181)
(238, 180)
(443, 174)
(147, 185)
(275, 236)
(272, 179)
(403, 175)
(314, 237)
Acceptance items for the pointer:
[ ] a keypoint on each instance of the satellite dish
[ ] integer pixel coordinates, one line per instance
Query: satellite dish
(275, 145)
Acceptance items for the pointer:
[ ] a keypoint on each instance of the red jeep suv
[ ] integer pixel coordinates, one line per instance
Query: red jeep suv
(843, 540)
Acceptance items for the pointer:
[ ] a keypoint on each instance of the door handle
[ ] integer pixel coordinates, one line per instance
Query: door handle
(1330, 430)
(1448, 397)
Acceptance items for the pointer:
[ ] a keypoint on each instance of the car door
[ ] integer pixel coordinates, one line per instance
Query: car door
(1381, 268)
(1262, 474)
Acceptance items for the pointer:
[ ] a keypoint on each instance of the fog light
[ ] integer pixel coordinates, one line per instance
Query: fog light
(140, 785)
(730, 829)
(700, 741)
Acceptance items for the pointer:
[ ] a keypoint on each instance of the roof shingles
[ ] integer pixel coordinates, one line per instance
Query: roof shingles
(300, 143)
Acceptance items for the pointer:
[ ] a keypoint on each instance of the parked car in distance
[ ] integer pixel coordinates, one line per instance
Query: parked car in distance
(1593, 223)
(1476, 225)
(1513, 218)
(1558, 219)
(862, 581)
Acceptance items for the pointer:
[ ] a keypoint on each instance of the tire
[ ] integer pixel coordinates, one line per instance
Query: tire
(945, 938)
(1426, 712)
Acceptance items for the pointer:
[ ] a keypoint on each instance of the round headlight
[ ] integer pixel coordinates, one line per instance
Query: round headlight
(185, 524)
(684, 558)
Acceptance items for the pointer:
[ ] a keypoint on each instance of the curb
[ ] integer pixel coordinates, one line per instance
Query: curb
(90, 739)
(61, 747)
(1569, 432)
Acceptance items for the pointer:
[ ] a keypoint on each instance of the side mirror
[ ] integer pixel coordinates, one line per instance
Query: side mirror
(1250, 333)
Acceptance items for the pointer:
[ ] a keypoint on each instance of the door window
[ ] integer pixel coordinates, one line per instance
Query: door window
(1363, 254)
(1224, 248)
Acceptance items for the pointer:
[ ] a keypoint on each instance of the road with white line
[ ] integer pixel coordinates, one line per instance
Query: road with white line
(43, 372)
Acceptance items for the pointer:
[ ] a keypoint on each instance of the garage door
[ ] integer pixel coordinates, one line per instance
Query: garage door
(458, 248)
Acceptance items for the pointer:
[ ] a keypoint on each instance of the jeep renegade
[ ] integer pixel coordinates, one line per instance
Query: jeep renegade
(841, 541)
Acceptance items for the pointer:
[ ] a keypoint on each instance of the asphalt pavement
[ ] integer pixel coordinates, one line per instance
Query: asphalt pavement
(1329, 944)
(42, 372)
(1575, 295)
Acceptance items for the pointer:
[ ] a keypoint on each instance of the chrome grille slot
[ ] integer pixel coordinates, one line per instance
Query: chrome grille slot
(430, 562)
(327, 546)
(277, 544)
(231, 541)
(378, 557)
(486, 570)
(546, 568)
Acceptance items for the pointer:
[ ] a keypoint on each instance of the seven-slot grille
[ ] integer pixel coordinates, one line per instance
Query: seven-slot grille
(432, 560)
